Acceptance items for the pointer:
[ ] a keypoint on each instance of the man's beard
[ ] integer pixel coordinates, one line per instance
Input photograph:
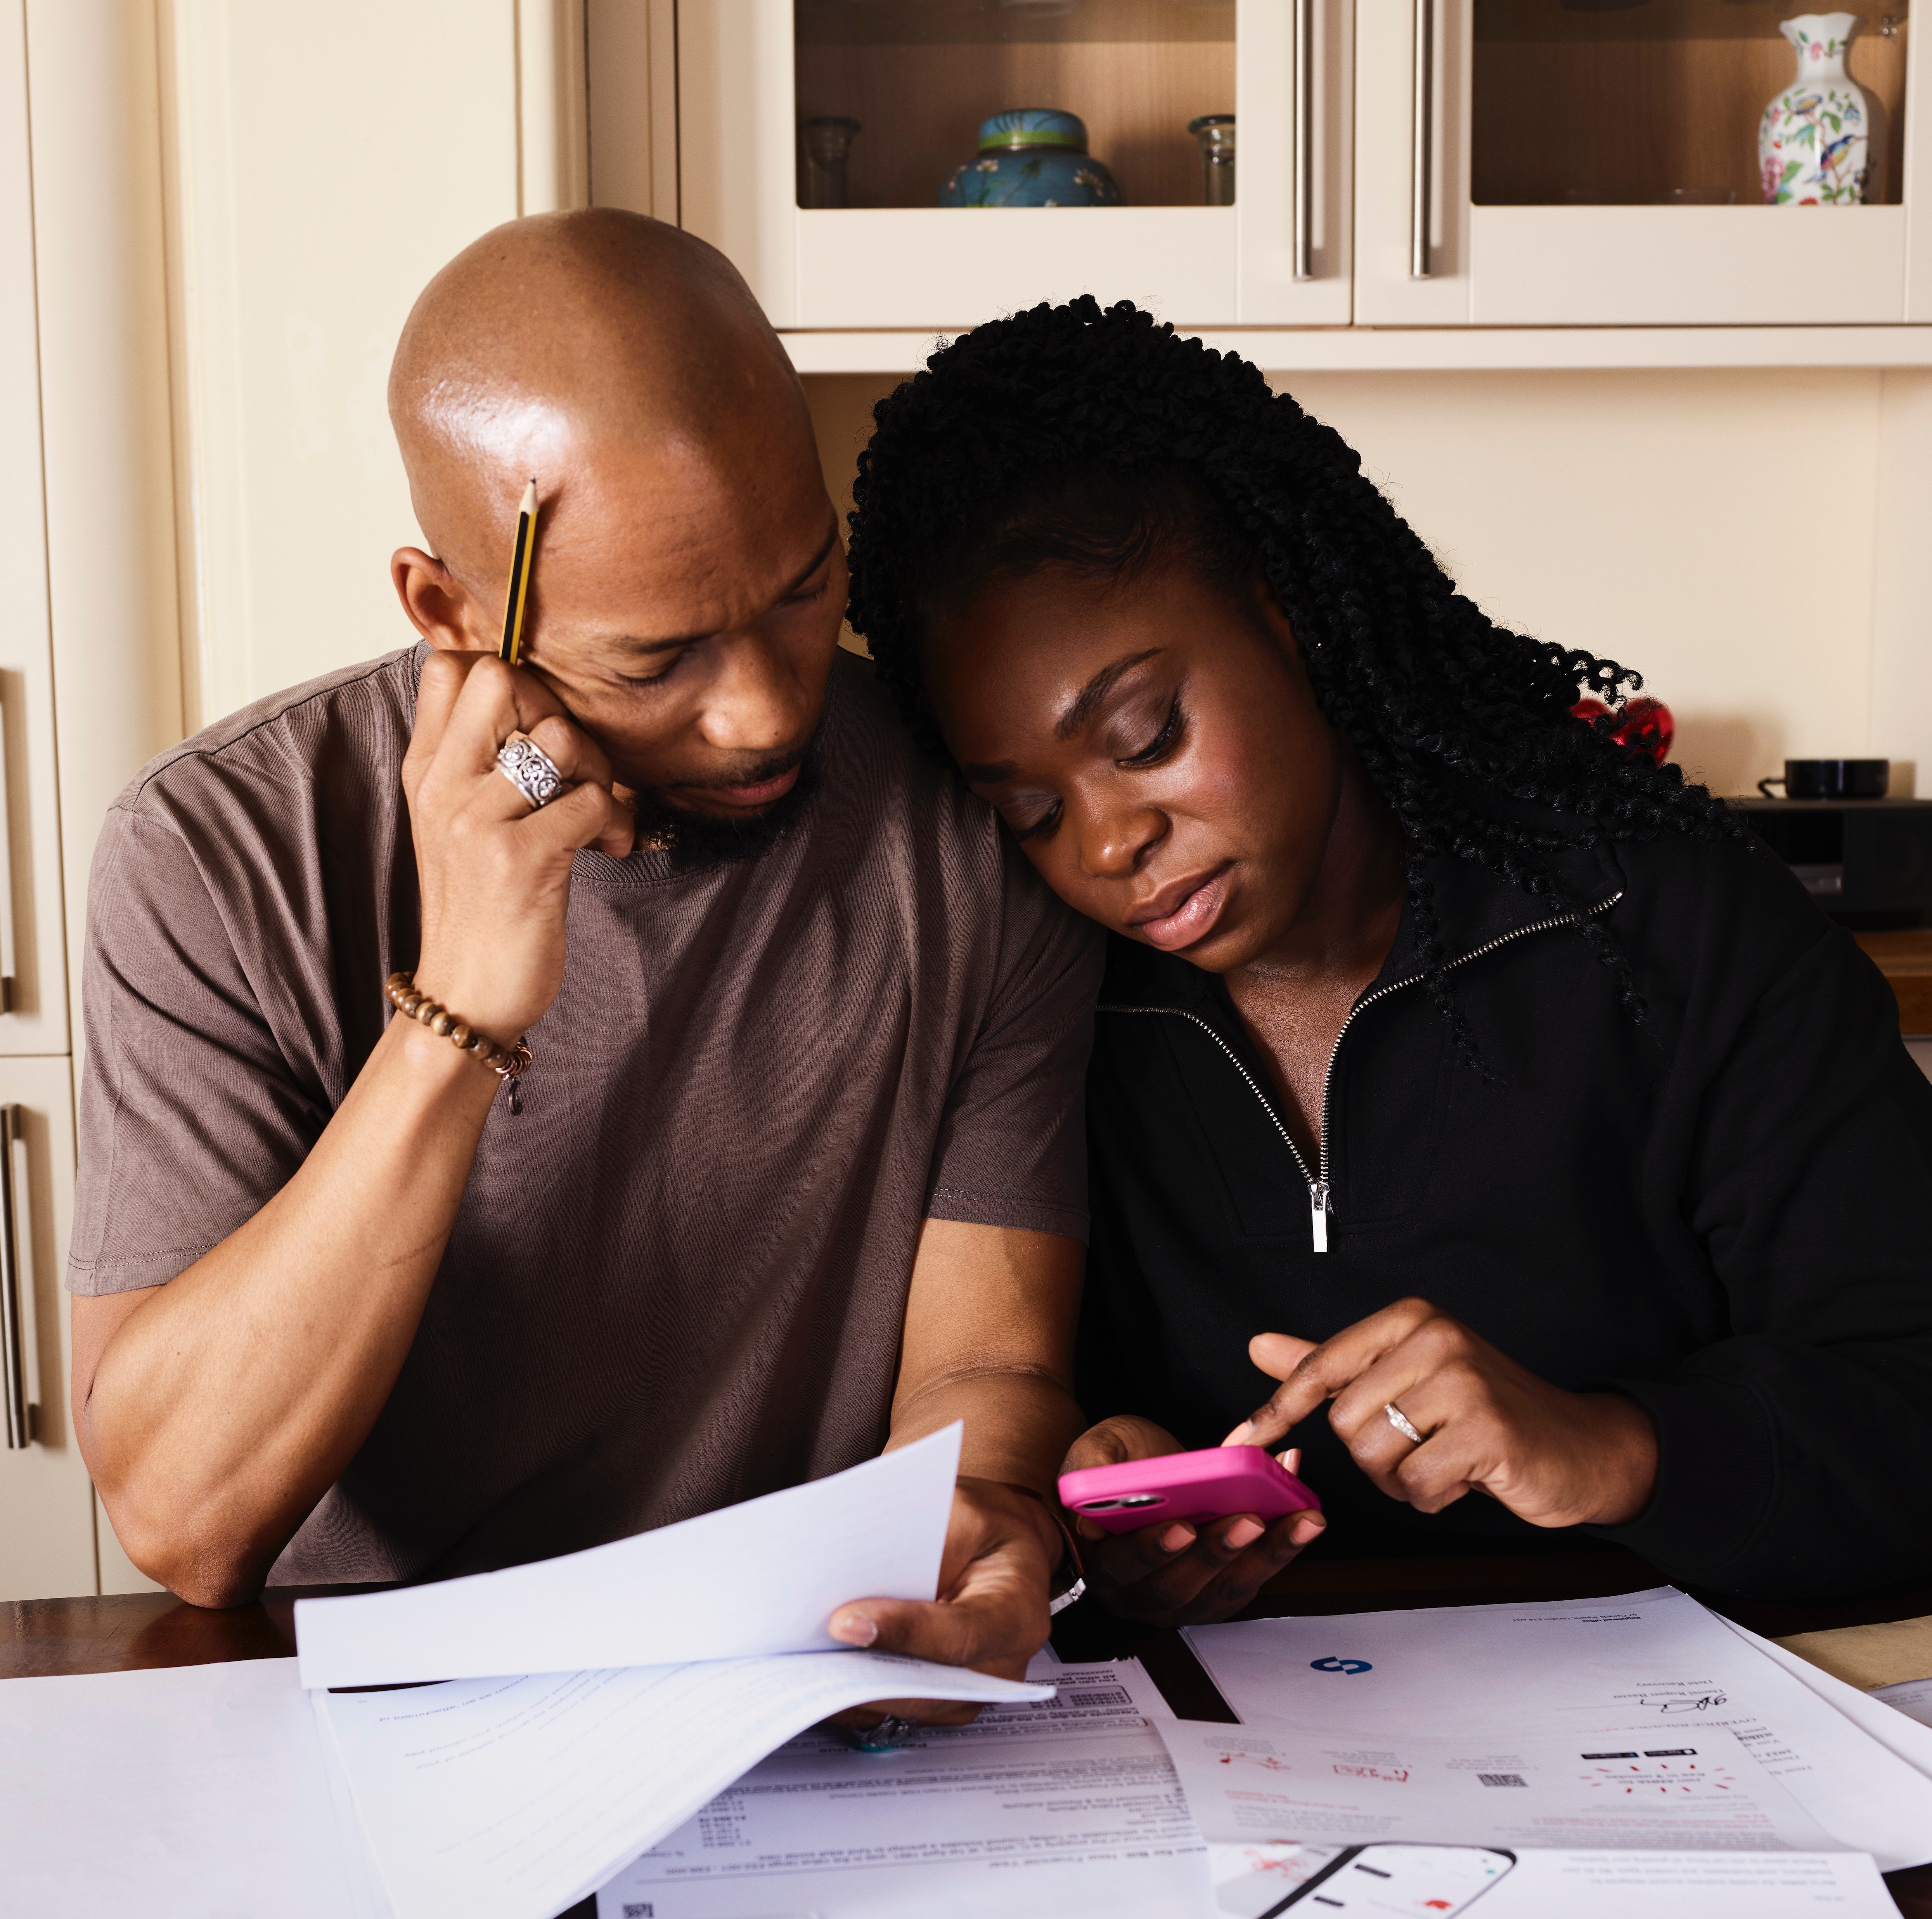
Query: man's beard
(698, 842)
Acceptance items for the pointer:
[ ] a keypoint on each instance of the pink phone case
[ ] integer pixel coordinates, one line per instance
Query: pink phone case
(1199, 1486)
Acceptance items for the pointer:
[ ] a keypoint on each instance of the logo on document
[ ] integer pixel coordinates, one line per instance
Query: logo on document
(1333, 1664)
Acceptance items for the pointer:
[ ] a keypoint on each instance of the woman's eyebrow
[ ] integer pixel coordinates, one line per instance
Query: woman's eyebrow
(1095, 690)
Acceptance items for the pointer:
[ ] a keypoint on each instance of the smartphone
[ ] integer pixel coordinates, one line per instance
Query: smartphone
(1213, 1484)
(1397, 1877)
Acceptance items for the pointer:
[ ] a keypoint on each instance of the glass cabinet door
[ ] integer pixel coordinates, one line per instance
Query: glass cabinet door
(1620, 162)
(932, 162)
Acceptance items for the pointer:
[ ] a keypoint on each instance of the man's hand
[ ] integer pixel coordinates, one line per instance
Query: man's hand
(1553, 1458)
(1002, 1549)
(1174, 1573)
(496, 873)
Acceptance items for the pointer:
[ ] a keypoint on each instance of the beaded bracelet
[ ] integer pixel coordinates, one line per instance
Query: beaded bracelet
(510, 1064)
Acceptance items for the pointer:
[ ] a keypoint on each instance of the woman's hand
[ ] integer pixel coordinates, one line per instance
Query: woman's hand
(1002, 1550)
(1175, 1574)
(495, 872)
(1553, 1458)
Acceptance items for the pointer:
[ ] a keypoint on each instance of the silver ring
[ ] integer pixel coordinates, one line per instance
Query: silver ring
(530, 771)
(883, 1738)
(1400, 1420)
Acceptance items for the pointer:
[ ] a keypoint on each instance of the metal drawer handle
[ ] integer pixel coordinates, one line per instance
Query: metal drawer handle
(9, 959)
(12, 1345)
(1304, 139)
(1422, 160)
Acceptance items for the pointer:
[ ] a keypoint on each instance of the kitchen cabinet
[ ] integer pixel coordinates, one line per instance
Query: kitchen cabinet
(47, 1499)
(46, 1512)
(89, 670)
(919, 76)
(1426, 164)
(1520, 162)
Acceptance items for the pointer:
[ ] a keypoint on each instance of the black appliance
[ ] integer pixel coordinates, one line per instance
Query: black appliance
(1868, 863)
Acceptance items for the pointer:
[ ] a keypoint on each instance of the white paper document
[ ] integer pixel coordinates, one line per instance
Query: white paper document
(1911, 1697)
(762, 1577)
(1904, 1737)
(1654, 1664)
(511, 1798)
(1270, 1779)
(1386, 1879)
(174, 1794)
(1664, 1885)
(1065, 1805)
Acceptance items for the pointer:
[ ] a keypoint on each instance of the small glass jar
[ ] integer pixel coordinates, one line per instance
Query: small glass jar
(1215, 132)
(826, 141)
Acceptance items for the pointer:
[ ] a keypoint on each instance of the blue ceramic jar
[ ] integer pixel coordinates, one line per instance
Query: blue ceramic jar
(1032, 156)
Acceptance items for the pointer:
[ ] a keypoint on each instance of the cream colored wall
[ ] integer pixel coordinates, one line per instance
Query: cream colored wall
(1649, 517)
(321, 178)
(1717, 530)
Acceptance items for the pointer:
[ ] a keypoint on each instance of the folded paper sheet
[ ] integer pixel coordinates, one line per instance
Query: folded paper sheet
(1035, 1811)
(759, 1578)
(511, 1798)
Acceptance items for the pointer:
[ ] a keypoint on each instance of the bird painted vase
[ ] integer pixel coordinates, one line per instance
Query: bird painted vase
(1031, 156)
(1814, 143)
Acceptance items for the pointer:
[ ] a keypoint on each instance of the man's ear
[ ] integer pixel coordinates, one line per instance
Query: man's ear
(439, 606)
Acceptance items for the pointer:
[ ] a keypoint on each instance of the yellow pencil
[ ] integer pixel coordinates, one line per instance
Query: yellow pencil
(512, 648)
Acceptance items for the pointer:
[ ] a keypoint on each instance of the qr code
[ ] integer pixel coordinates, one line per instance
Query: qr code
(1114, 1695)
(1502, 1778)
(640, 1909)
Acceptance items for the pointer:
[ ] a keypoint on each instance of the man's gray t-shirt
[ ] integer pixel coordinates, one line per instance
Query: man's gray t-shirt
(677, 1279)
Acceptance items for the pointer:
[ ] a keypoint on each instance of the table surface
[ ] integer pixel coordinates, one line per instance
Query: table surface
(1905, 958)
(124, 1631)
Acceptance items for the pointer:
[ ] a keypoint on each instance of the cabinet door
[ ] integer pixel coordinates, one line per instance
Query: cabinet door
(33, 970)
(46, 1503)
(1521, 163)
(1294, 90)
(864, 242)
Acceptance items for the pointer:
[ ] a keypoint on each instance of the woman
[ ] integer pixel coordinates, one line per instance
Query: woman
(1466, 1073)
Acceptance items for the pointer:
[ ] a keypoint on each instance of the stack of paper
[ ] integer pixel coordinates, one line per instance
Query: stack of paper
(491, 1775)
(1067, 1805)
(1595, 1753)
(1590, 1758)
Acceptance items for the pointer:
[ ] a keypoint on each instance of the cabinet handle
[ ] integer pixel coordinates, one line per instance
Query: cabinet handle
(1304, 139)
(13, 1347)
(9, 961)
(1422, 160)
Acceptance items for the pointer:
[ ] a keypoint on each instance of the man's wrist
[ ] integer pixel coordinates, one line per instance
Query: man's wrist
(441, 1070)
(1068, 1581)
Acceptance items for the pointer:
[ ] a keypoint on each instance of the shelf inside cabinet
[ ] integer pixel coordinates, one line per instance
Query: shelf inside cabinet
(919, 76)
(1653, 102)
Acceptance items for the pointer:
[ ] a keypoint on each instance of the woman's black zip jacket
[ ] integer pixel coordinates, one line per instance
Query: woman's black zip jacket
(1725, 1212)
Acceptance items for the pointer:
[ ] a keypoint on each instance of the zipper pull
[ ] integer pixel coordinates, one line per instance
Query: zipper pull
(1317, 1205)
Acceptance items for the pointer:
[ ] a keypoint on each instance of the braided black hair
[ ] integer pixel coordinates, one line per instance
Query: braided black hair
(1103, 441)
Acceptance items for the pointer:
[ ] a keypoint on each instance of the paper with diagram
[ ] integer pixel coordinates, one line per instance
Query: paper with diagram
(1271, 1779)
(1648, 1663)
(762, 1577)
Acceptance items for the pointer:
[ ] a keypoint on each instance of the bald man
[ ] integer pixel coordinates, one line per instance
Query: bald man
(797, 1170)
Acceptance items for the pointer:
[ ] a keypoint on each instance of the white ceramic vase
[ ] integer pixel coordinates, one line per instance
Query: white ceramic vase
(1814, 143)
